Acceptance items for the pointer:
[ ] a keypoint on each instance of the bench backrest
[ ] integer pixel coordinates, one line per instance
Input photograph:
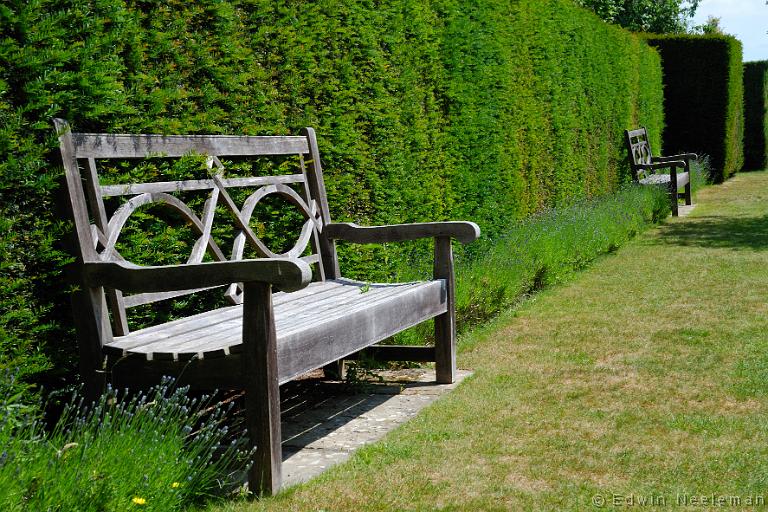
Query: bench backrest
(97, 231)
(639, 148)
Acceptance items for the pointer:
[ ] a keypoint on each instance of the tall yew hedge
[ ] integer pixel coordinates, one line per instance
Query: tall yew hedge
(703, 98)
(756, 115)
(486, 110)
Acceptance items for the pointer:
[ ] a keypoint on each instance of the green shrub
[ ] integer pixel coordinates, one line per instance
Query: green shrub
(425, 110)
(755, 115)
(155, 449)
(703, 98)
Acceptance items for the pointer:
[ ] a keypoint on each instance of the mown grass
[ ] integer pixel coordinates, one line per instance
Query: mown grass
(642, 377)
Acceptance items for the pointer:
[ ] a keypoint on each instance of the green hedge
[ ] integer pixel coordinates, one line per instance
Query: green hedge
(703, 98)
(755, 112)
(483, 110)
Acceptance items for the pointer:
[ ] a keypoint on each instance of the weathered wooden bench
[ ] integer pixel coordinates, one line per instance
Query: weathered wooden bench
(263, 339)
(644, 166)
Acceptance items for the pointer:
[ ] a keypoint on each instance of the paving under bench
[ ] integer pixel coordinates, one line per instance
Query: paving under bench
(685, 210)
(323, 423)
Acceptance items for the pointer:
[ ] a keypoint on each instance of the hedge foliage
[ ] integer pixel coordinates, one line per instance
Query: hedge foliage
(703, 98)
(756, 115)
(487, 110)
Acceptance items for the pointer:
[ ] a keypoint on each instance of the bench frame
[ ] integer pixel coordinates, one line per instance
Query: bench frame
(641, 161)
(99, 304)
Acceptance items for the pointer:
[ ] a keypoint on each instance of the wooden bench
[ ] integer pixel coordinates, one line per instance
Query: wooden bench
(644, 166)
(265, 338)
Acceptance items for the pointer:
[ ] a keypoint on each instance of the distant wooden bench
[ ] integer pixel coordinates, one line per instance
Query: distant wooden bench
(644, 166)
(264, 339)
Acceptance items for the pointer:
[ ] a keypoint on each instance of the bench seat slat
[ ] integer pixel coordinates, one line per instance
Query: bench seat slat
(334, 315)
(344, 305)
(664, 179)
(183, 325)
(143, 340)
(291, 309)
(184, 341)
(331, 340)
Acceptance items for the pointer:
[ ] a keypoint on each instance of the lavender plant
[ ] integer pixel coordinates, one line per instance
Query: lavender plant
(156, 450)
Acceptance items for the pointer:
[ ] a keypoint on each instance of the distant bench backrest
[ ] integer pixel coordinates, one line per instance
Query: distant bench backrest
(97, 233)
(639, 149)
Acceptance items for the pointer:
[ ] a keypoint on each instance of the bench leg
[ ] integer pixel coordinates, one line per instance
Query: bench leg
(334, 370)
(673, 199)
(688, 200)
(262, 391)
(673, 190)
(445, 324)
(92, 326)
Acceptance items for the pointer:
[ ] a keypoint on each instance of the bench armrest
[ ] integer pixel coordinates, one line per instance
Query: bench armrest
(661, 165)
(682, 156)
(289, 274)
(464, 232)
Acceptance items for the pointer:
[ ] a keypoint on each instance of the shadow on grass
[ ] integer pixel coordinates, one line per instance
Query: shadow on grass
(740, 233)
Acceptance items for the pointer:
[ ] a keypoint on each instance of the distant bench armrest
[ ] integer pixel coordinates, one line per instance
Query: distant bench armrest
(661, 165)
(288, 274)
(464, 232)
(682, 156)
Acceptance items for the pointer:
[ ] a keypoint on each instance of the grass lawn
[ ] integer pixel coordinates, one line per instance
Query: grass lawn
(643, 378)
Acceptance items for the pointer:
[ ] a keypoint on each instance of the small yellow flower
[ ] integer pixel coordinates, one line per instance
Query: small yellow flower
(175, 485)
(139, 501)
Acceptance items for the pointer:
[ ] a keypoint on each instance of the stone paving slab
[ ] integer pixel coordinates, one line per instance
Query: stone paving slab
(323, 423)
(685, 210)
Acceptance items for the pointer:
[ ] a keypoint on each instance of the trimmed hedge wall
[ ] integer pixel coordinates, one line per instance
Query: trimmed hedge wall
(483, 110)
(703, 98)
(755, 114)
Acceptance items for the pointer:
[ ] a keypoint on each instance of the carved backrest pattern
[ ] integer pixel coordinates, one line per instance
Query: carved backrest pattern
(98, 239)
